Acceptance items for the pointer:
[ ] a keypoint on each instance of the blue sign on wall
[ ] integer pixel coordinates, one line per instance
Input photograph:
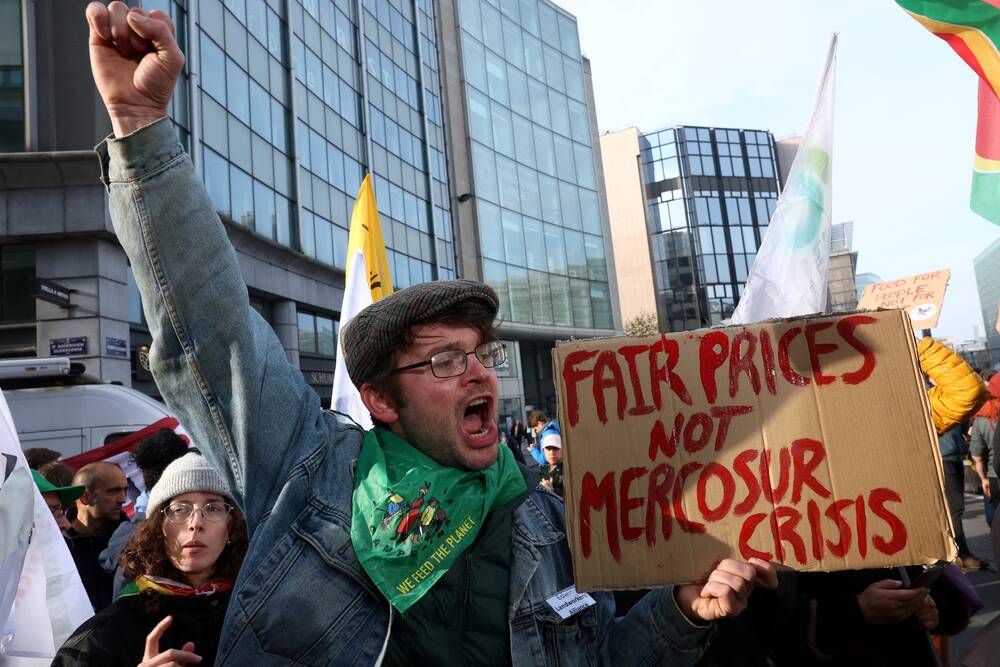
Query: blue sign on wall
(115, 347)
(64, 347)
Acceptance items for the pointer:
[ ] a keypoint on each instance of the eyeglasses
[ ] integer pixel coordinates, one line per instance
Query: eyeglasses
(454, 362)
(213, 512)
(57, 512)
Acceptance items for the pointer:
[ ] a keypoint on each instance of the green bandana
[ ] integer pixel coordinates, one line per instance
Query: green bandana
(413, 517)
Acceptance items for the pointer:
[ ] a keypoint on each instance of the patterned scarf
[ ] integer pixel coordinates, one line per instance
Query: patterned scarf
(165, 586)
(413, 517)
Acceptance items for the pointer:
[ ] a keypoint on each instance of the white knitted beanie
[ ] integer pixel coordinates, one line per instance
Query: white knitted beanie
(190, 472)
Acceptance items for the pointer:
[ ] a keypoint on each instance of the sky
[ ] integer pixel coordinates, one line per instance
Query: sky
(904, 122)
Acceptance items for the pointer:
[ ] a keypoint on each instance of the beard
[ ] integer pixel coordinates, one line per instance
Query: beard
(440, 437)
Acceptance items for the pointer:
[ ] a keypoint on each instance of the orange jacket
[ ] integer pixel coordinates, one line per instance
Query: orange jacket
(958, 390)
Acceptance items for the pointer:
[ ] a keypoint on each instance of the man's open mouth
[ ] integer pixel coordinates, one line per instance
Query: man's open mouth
(476, 421)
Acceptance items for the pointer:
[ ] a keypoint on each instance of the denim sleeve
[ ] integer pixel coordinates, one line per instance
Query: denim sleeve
(218, 364)
(655, 632)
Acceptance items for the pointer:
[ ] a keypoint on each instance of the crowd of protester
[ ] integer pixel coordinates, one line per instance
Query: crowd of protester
(160, 580)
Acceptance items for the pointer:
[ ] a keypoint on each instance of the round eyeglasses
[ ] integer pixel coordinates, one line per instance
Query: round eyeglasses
(213, 512)
(454, 362)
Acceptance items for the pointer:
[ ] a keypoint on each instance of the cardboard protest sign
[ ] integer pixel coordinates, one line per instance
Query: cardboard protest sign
(804, 442)
(921, 296)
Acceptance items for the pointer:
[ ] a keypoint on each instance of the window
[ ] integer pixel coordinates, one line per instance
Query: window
(307, 234)
(570, 204)
(549, 24)
(11, 81)
(534, 250)
(263, 198)
(519, 97)
(491, 29)
(475, 63)
(580, 298)
(484, 172)
(469, 16)
(513, 238)
(520, 294)
(242, 197)
(213, 69)
(260, 111)
(544, 151)
(307, 332)
(238, 91)
(283, 218)
(479, 117)
(326, 336)
(541, 301)
(555, 249)
(528, 180)
(496, 78)
(217, 180)
(17, 271)
(490, 235)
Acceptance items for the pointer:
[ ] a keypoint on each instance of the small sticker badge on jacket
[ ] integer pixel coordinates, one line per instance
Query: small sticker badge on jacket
(568, 602)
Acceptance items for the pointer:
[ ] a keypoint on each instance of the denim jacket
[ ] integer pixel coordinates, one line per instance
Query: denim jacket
(302, 596)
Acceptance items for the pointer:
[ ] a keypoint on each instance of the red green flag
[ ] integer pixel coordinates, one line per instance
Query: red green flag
(972, 29)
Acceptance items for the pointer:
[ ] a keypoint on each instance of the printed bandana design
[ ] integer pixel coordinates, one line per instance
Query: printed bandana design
(413, 517)
(416, 521)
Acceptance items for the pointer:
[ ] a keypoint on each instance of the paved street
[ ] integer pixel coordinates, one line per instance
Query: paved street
(987, 582)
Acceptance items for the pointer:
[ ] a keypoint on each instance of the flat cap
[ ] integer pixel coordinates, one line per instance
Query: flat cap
(377, 330)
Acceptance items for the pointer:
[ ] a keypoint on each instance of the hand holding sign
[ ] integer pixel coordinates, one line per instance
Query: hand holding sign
(928, 614)
(726, 591)
(885, 602)
(171, 657)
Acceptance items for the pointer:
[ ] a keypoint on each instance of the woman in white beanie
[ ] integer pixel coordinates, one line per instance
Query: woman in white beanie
(184, 558)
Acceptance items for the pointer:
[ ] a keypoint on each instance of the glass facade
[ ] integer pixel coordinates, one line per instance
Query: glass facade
(534, 175)
(407, 136)
(286, 105)
(284, 123)
(11, 78)
(987, 268)
(317, 334)
(709, 195)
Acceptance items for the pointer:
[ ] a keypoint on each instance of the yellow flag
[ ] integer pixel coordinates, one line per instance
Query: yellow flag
(366, 236)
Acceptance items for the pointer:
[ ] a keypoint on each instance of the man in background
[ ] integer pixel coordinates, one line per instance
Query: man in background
(92, 522)
(152, 455)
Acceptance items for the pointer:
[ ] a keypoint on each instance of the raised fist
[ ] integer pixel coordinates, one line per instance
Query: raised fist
(135, 61)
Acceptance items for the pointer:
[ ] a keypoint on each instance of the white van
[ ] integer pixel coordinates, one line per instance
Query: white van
(72, 418)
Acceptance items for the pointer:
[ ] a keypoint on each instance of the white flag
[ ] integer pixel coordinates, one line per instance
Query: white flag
(789, 274)
(51, 601)
(16, 505)
(345, 397)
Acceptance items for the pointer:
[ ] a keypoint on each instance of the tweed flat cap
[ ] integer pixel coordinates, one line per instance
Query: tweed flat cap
(376, 330)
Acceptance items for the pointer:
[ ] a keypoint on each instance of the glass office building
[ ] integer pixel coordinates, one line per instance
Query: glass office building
(287, 104)
(283, 105)
(284, 115)
(528, 209)
(987, 268)
(710, 193)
